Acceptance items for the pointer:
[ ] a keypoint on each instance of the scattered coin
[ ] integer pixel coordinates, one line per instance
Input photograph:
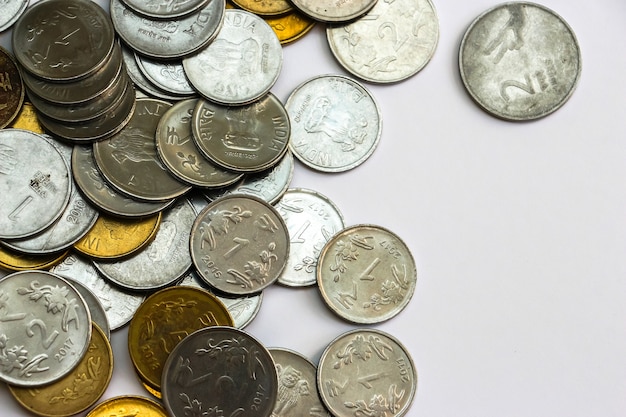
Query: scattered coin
(165, 9)
(12, 10)
(96, 309)
(118, 406)
(26, 119)
(18, 261)
(332, 11)
(168, 75)
(290, 27)
(265, 7)
(11, 88)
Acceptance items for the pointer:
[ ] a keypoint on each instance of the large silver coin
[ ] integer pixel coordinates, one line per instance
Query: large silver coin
(366, 274)
(392, 42)
(520, 61)
(165, 9)
(119, 305)
(63, 40)
(96, 309)
(169, 38)
(333, 11)
(335, 123)
(241, 64)
(312, 219)
(220, 368)
(45, 328)
(239, 244)
(249, 138)
(164, 261)
(35, 183)
(367, 373)
(12, 10)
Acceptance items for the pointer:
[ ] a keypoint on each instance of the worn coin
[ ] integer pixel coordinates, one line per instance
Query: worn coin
(78, 390)
(239, 244)
(19, 261)
(392, 42)
(11, 88)
(165, 9)
(96, 309)
(335, 123)
(163, 321)
(265, 7)
(297, 386)
(520, 61)
(179, 153)
(166, 75)
(248, 138)
(290, 27)
(12, 10)
(241, 64)
(366, 372)
(312, 219)
(45, 328)
(119, 305)
(366, 274)
(119, 406)
(208, 366)
(332, 11)
(35, 185)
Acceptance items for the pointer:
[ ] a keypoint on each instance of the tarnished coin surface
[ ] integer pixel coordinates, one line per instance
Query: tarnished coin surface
(312, 219)
(214, 361)
(165, 9)
(392, 42)
(241, 64)
(79, 389)
(248, 138)
(239, 244)
(11, 11)
(163, 321)
(520, 61)
(335, 123)
(117, 406)
(332, 11)
(367, 372)
(45, 328)
(11, 88)
(366, 274)
(297, 385)
(35, 184)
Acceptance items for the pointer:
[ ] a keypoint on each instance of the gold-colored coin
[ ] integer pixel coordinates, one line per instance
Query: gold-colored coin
(163, 320)
(265, 7)
(113, 237)
(27, 119)
(291, 27)
(128, 405)
(17, 261)
(78, 390)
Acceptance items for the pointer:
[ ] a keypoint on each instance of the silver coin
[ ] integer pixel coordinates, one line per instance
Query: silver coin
(312, 219)
(242, 309)
(335, 123)
(45, 328)
(164, 261)
(35, 186)
(12, 10)
(392, 42)
(63, 40)
(179, 153)
(248, 138)
(366, 274)
(333, 11)
(165, 9)
(297, 385)
(75, 221)
(100, 194)
(168, 39)
(119, 305)
(129, 159)
(241, 64)
(366, 372)
(166, 75)
(239, 244)
(207, 368)
(520, 61)
(269, 185)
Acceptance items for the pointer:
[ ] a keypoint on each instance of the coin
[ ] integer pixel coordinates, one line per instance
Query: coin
(239, 244)
(18, 261)
(366, 372)
(165, 9)
(11, 88)
(11, 12)
(45, 328)
(118, 406)
(26, 119)
(520, 61)
(335, 123)
(168, 75)
(208, 366)
(332, 11)
(366, 274)
(290, 27)
(391, 43)
(96, 309)
(78, 390)
(112, 237)
(265, 7)
(241, 64)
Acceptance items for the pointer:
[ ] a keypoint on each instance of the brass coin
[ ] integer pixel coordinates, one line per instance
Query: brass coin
(17, 261)
(291, 27)
(128, 405)
(27, 119)
(163, 320)
(11, 88)
(112, 237)
(265, 7)
(78, 390)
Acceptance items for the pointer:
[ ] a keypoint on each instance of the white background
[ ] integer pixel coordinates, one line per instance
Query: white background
(518, 230)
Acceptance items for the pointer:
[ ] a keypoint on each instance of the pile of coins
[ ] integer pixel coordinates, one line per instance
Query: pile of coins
(156, 191)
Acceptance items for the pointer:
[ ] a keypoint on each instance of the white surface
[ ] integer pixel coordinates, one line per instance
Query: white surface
(518, 230)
